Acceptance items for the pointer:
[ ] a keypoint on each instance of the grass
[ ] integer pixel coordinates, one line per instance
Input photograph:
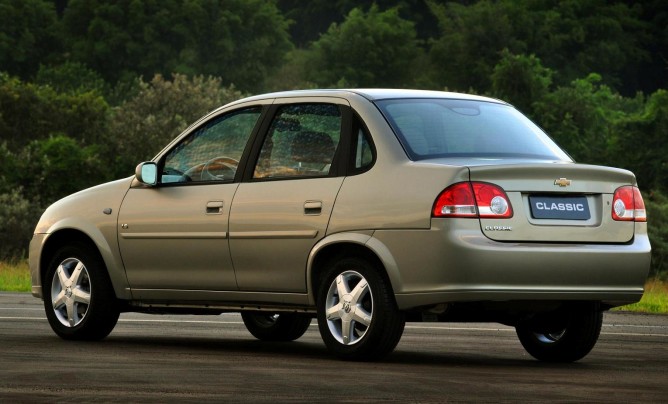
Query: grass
(655, 299)
(15, 277)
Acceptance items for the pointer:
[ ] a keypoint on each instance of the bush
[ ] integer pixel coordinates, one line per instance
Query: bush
(162, 109)
(656, 204)
(18, 217)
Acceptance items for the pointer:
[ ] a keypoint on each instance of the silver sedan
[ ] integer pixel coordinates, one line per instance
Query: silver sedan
(363, 208)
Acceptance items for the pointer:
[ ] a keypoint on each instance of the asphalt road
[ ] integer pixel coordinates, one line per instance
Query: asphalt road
(214, 359)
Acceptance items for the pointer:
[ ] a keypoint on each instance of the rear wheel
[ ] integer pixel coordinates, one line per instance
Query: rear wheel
(276, 327)
(78, 297)
(357, 314)
(566, 335)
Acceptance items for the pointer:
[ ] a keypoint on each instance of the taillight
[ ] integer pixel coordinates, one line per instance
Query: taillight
(473, 199)
(628, 205)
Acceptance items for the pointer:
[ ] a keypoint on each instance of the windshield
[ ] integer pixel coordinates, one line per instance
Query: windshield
(431, 128)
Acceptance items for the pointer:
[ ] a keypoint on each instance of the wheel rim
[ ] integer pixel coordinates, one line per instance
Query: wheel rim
(70, 292)
(550, 337)
(265, 320)
(349, 307)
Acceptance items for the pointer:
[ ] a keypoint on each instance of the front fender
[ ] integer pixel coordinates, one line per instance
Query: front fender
(103, 235)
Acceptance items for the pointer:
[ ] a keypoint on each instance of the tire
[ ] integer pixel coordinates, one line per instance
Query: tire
(78, 297)
(357, 314)
(276, 327)
(563, 336)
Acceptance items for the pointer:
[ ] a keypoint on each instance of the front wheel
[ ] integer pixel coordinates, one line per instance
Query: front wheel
(357, 314)
(566, 335)
(276, 327)
(78, 297)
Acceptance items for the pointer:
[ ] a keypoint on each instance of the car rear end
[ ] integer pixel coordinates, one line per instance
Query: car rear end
(527, 225)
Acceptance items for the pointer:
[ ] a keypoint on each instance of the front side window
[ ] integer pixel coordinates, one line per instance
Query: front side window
(430, 128)
(301, 142)
(213, 151)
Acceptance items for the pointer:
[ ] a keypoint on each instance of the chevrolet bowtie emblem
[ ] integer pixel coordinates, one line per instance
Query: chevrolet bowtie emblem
(562, 182)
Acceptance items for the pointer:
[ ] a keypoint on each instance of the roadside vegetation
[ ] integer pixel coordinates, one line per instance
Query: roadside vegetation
(14, 277)
(655, 299)
(90, 89)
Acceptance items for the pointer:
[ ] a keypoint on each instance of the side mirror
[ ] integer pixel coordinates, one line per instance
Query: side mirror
(147, 173)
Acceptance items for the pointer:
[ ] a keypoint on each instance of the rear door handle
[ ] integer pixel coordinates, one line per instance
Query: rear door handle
(214, 208)
(312, 207)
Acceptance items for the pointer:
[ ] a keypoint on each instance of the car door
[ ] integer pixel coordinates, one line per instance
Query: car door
(174, 236)
(283, 207)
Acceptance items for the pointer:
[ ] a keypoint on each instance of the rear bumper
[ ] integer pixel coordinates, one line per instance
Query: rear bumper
(454, 261)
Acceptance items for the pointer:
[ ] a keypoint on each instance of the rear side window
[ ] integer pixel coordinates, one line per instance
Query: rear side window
(301, 142)
(431, 128)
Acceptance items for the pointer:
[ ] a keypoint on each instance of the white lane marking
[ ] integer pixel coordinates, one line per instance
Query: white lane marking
(130, 320)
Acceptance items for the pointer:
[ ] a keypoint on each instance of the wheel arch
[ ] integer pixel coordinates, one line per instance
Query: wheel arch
(98, 243)
(362, 245)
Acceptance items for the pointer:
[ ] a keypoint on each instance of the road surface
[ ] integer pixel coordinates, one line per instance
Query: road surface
(214, 359)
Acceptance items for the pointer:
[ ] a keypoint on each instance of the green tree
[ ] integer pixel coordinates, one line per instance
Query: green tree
(472, 36)
(162, 109)
(572, 37)
(18, 217)
(584, 117)
(640, 143)
(71, 77)
(656, 203)
(373, 49)
(241, 40)
(520, 80)
(30, 112)
(52, 168)
(8, 170)
(312, 18)
(29, 35)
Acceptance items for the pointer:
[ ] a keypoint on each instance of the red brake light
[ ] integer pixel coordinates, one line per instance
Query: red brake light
(456, 201)
(628, 205)
(473, 199)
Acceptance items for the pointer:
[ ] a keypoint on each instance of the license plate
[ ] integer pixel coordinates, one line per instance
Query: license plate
(559, 207)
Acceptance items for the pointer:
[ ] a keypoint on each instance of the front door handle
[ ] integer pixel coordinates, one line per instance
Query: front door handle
(214, 208)
(312, 207)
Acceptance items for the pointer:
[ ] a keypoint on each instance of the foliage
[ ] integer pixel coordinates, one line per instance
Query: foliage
(373, 49)
(520, 80)
(467, 50)
(656, 204)
(311, 18)
(28, 35)
(241, 40)
(583, 117)
(31, 112)
(161, 110)
(71, 77)
(18, 217)
(52, 168)
(640, 143)
(574, 38)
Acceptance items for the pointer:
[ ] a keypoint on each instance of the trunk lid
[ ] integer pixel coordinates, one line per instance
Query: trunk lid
(562, 202)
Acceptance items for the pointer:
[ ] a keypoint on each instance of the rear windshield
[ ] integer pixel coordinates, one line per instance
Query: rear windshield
(431, 128)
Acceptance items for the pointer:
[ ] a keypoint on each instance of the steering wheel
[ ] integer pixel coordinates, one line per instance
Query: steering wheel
(220, 168)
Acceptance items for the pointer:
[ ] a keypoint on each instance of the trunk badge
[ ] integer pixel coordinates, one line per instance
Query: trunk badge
(562, 182)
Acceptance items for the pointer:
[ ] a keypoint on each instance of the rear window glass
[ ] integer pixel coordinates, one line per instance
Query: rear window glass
(431, 128)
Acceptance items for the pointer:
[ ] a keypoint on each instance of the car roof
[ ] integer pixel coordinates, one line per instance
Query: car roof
(372, 94)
